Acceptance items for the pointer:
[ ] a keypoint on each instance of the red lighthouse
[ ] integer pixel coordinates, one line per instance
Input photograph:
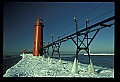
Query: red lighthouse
(38, 38)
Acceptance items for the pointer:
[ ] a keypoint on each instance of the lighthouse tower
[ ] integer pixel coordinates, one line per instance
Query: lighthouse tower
(38, 38)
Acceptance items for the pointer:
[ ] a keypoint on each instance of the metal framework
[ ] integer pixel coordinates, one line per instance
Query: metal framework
(46, 50)
(75, 37)
(56, 47)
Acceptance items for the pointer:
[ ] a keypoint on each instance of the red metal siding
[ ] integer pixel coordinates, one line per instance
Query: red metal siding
(38, 38)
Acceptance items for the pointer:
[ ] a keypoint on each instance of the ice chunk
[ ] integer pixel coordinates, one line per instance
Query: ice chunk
(75, 67)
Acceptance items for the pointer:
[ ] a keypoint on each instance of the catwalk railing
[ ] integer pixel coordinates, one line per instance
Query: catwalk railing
(79, 42)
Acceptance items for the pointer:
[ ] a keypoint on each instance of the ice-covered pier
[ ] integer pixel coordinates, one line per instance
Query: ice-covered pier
(39, 66)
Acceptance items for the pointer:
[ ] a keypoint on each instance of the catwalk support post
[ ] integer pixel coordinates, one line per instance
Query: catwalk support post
(75, 63)
(56, 46)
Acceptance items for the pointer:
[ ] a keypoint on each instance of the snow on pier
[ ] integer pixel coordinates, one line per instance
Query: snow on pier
(38, 66)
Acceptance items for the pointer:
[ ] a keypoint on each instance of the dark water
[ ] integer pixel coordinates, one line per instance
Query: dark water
(9, 61)
(99, 60)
